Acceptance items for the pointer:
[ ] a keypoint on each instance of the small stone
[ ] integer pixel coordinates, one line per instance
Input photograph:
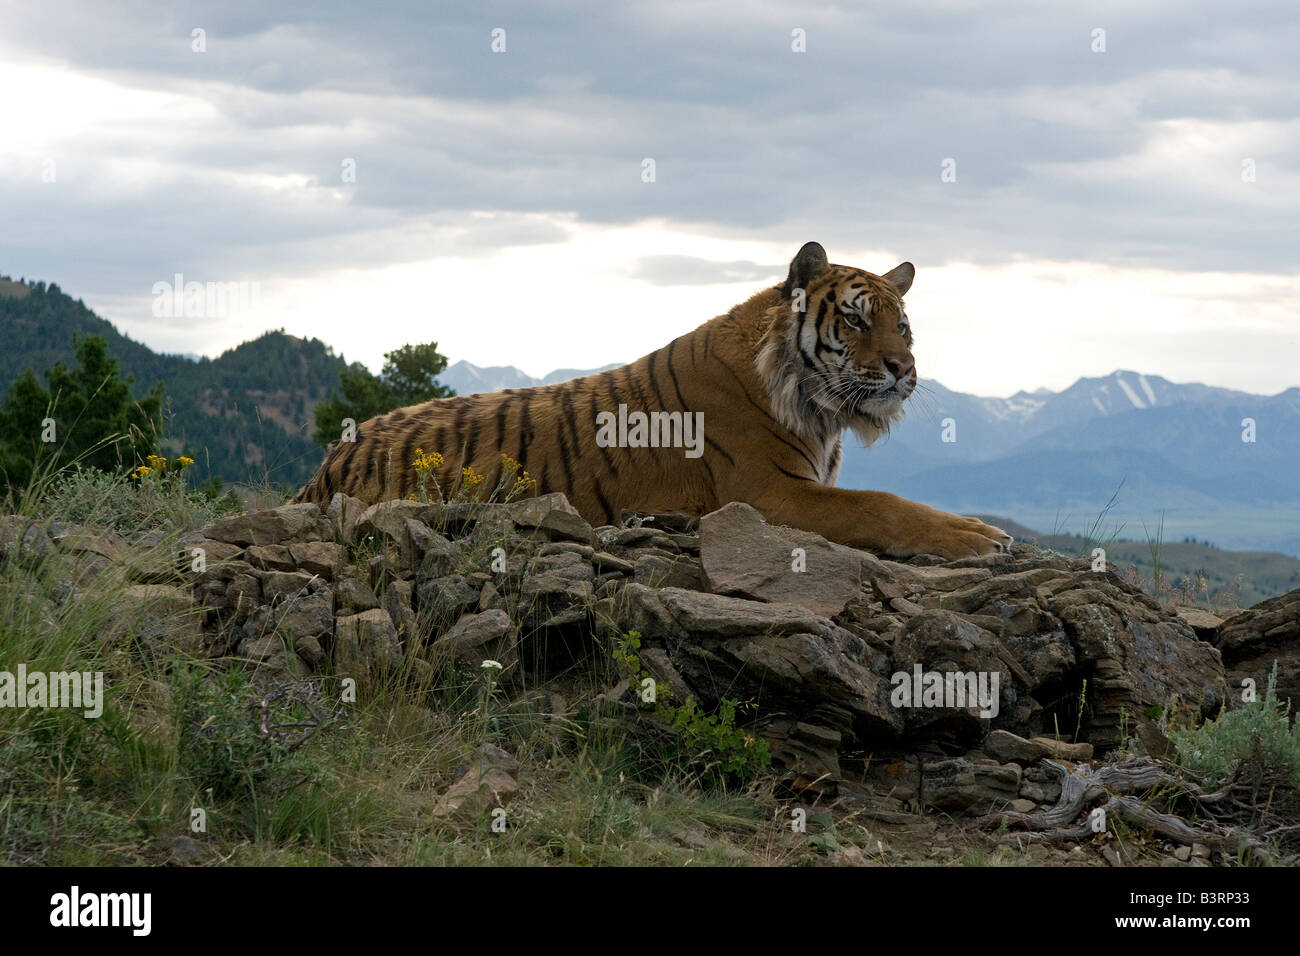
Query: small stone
(1183, 853)
(606, 563)
(187, 852)
(318, 557)
(282, 584)
(271, 557)
(355, 594)
(480, 790)
(344, 512)
(23, 540)
(309, 650)
(261, 649)
(475, 638)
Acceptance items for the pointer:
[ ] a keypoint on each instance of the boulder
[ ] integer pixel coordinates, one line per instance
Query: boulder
(75, 539)
(746, 557)
(307, 614)
(318, 557)
(270, 557)
(343, 513)
(972, 784)
(23, 541)
(1140, 657)
(555, 584)
(654, 570)
(940, 642)
(157, 615)
(782, 655)
(489, 635)
(1252, 640)
(935, 578)
(808, 754)
(301, 522)
(366, 645)
(354, 593)
(1203, 622)
(444, 599)
(282, 584)
(484, 787)
(700, 616)
(213, 553)
(1006, 747)
(395, 522)
(397, 601)
(551, 515)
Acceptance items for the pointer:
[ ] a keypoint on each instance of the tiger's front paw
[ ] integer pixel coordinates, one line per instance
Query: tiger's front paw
(957, 536)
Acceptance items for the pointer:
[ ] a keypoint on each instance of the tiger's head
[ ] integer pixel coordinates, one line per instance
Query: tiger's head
(838, 350)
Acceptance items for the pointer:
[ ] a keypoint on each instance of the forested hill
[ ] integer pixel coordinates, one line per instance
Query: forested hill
(244, 416)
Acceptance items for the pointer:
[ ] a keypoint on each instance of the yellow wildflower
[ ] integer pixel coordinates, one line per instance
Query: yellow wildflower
(427, 463)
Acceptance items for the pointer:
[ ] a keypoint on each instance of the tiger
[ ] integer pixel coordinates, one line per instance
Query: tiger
(773, 383)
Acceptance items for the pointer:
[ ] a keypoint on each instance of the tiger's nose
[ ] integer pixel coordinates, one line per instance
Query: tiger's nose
(899, 368)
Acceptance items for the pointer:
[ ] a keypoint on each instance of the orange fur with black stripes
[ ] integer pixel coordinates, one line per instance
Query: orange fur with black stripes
(777, 379)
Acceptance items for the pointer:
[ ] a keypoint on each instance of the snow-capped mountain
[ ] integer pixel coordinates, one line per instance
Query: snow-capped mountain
(468, 379)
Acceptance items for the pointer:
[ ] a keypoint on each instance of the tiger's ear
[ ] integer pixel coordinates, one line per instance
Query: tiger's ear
(807, 265)
(901, 276)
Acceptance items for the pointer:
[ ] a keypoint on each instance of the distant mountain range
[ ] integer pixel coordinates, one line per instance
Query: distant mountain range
(1052, 460)
(469, 379)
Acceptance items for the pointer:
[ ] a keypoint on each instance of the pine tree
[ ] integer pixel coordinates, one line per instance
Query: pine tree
(409, 377)
(88, 411)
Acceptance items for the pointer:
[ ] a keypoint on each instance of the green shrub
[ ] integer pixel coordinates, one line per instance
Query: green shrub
(711, 744)
(242, 741)
(125, 504)
(1256, 741)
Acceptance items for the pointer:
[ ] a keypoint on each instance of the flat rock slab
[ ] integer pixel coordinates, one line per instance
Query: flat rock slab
(1008, 748)
(744, 556)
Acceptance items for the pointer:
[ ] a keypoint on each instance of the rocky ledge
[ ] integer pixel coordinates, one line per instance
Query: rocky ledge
(852, 663)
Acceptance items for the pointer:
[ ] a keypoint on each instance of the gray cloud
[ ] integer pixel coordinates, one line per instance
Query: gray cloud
(689, 270)
(842, 143)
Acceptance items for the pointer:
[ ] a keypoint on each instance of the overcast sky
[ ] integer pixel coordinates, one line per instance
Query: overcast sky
(1137, 207)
